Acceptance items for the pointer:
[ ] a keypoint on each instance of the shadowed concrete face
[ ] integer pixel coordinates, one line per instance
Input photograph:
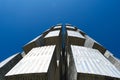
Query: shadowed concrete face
(85, 63)
(62, 54)
(8, 64)
(39, 63)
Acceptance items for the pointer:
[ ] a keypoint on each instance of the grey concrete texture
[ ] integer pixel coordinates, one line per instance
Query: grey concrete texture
(41, 41)
(9, 65)
(62, 66)
(53, 72)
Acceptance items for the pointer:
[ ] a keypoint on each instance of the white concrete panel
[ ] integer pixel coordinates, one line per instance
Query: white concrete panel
(74, 34)
(57, 27)
(70, 27)
(36, 61)
(53, 34)
(91, 61)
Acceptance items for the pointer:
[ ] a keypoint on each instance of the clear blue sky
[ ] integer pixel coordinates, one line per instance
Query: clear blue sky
(23, 20)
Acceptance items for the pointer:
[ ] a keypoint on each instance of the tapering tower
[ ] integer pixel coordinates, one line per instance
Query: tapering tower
(61, 53)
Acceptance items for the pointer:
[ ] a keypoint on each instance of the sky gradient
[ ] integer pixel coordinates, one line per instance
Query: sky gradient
(23, 20)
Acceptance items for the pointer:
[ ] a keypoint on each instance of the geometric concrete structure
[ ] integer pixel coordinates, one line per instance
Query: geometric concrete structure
(34, 43)
(39, 63)
(112, 59)
(90, 62)
(8, 64)
(86, 59)
(62, 53)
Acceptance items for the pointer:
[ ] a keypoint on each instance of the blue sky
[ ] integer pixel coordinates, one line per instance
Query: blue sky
(23, 20)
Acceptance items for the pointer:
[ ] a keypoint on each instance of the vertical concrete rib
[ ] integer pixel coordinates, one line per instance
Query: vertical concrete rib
(62, 53)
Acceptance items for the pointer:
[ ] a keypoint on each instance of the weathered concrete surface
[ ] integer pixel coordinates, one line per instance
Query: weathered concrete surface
(8, 64)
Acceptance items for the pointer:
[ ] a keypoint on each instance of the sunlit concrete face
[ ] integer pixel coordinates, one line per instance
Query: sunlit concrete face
(39, 61)
(42, 58)
(53, 33)
(88, 60)
(92, 62)
(62, 53)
